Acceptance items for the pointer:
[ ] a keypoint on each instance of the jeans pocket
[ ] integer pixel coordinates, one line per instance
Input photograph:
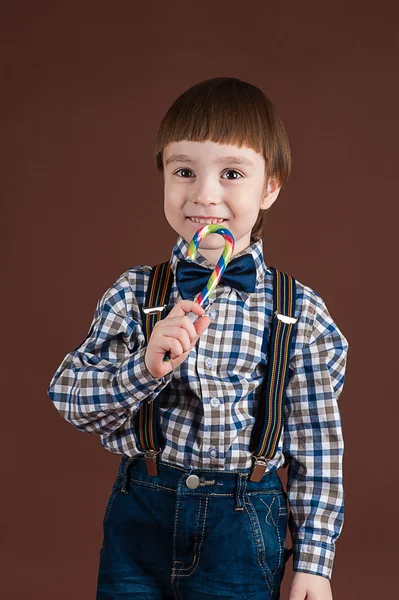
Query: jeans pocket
(269, 519)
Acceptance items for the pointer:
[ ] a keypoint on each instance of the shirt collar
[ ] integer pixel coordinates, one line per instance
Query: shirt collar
(179, 251)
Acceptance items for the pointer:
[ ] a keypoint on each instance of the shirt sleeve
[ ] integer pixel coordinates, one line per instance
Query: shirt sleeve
(105, 379)
(314, 444)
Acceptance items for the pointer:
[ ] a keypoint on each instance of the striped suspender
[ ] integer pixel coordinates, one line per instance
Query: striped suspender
(268, 423)
(148, 429)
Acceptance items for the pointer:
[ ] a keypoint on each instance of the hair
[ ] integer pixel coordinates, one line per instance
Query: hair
(227, 110)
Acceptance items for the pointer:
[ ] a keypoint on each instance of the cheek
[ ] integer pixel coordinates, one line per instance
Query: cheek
(171, 199)
(243, 212)
(173, 196)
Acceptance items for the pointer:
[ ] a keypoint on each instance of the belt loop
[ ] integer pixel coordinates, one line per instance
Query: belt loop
(241, 486)
(124, 470)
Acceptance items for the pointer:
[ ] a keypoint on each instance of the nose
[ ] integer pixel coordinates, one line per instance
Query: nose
(206, 196)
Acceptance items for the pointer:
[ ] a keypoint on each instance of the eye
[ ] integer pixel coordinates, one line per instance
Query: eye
(234, 171)
(176, 172)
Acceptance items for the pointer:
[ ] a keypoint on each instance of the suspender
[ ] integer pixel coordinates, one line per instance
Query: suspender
(268, 423)
(148, 430)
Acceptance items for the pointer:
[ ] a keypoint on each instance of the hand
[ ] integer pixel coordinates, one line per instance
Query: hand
(306, 586)
(177, 334)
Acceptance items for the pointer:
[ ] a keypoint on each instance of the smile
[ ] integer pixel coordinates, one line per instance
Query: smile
(206, 221)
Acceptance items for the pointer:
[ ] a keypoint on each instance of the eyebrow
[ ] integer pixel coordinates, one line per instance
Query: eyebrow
(231, 160)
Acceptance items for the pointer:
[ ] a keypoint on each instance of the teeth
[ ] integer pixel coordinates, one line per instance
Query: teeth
(207, 221)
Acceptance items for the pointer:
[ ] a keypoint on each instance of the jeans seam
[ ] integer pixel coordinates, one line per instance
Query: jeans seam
(197, 547)
(269, 510)
(153, 485)
(180, 569)
(267, 573)
(114, 492)
(279, 544)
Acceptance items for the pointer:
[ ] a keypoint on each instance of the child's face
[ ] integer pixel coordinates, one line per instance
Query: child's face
(205, 183)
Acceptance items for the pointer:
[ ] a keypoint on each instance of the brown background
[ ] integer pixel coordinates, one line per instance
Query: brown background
(84, 87)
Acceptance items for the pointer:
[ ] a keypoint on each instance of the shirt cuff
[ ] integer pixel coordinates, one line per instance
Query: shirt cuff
(134, 377)
(316, 558)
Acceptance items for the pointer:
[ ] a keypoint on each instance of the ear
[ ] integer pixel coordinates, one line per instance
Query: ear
(271, 193)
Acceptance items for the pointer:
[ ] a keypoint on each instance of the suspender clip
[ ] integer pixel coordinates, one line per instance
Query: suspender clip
(151, 462)
(149, 310)
(259, 468)
(285, 318)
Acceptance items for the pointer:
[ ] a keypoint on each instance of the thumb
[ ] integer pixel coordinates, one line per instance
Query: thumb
(201, 324)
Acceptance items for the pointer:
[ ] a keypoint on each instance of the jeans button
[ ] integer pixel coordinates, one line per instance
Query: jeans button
(192, 482)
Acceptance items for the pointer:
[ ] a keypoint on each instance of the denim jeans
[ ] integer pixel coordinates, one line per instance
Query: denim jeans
(164, 540)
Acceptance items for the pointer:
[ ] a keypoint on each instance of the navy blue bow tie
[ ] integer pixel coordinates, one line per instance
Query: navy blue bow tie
(240, 274)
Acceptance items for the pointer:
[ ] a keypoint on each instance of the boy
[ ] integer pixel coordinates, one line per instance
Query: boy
(190, 522)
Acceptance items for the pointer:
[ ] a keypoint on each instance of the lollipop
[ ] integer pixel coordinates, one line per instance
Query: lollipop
(219, 269)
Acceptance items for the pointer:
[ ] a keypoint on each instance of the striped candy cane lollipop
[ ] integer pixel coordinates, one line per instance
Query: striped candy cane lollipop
(219, 269)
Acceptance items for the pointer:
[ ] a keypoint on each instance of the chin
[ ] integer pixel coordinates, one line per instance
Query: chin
(213, 240)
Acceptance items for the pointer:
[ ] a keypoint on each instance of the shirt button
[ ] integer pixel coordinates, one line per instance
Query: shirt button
(213, 313)
(208, 362)
(212, 452)
(215, 402)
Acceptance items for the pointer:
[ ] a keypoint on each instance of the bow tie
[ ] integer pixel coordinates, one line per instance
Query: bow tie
(240, 274)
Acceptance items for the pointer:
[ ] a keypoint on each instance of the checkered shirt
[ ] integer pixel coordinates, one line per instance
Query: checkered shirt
(207, 404)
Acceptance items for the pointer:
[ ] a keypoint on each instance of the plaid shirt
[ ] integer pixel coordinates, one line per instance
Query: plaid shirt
(207, 403)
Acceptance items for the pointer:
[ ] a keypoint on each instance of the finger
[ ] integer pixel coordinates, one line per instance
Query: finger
(181, 334)
(172, 345)
(188, 323)
(184, 306)
(201, 324)
(183, 322)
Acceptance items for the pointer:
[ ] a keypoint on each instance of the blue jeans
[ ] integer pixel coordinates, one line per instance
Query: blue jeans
(165, 540)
